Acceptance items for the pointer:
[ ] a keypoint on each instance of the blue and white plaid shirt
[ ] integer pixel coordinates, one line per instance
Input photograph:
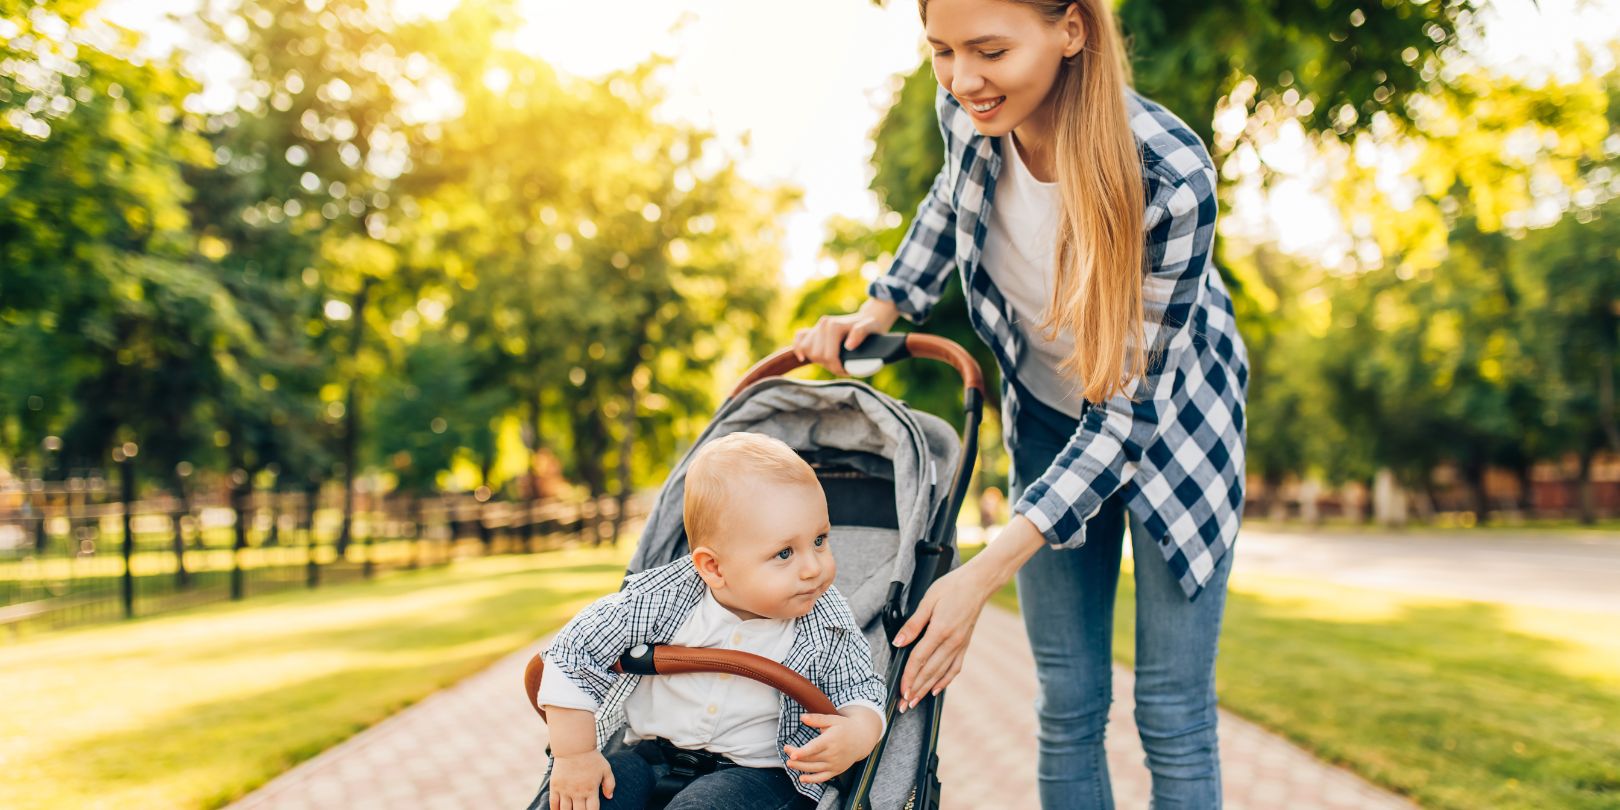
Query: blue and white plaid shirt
(828, 649)
(1173, 443)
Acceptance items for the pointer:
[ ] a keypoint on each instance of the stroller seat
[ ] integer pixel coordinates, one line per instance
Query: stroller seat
(894, 480)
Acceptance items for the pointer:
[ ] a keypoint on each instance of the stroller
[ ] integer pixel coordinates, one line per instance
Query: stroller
(892, 498)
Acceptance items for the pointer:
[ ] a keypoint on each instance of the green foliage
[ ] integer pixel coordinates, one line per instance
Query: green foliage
(93, 236)
(398, 225)
(1348, 59)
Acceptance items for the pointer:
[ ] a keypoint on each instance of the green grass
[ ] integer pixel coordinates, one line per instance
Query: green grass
(1456, 704)
(197, 708)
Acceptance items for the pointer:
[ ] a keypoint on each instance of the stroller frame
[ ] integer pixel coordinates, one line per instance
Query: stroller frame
(933, 558)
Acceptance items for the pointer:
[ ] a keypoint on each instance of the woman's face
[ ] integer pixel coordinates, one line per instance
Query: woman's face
(999, 58)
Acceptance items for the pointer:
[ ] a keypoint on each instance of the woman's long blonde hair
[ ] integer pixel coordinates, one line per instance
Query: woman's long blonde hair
(1097, 290)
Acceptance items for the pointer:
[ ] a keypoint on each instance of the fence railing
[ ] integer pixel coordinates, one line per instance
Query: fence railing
(68, 556)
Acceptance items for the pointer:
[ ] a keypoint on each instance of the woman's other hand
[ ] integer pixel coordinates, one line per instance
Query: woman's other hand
(943, 623)
(823, 342)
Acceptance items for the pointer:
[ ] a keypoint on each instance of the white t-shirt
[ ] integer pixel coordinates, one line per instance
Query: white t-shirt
(732, 716)
(1020, 254)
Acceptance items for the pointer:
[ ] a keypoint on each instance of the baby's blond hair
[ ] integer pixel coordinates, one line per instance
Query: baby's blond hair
(720, 464)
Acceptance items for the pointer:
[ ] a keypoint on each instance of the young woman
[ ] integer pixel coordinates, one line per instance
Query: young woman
(1081, 217)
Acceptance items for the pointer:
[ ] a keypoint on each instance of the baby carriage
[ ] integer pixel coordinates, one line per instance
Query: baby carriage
(894, 479)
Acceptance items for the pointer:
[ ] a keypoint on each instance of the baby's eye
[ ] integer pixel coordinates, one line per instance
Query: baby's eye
(784, 554)
(994, 55)
(821, 540)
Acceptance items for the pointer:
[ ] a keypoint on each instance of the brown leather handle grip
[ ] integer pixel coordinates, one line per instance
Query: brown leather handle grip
(932, 347)
(673, 660)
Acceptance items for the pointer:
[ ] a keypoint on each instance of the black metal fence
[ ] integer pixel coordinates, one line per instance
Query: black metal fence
(72, 554)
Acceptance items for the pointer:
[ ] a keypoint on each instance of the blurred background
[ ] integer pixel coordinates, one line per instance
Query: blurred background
(298, 293)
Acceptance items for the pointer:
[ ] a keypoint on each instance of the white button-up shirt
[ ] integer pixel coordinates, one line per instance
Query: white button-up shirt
(733, 717)
(826, 647)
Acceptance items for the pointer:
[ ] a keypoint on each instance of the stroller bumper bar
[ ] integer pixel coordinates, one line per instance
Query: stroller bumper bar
(664, 659)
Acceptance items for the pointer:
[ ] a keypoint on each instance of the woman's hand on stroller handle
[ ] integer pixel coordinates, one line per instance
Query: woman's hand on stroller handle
(822, 343)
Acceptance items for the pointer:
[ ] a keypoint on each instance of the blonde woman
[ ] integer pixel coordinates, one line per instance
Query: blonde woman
(1080, 217)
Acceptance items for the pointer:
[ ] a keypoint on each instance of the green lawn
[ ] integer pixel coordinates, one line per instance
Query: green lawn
(1456, 704)
(197, 708)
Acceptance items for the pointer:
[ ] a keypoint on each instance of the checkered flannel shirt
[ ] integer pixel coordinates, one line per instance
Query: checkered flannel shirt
(828, 649)
(1173, 443)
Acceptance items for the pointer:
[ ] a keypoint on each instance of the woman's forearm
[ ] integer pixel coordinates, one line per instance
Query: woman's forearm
(1001, 559)
(883, 312)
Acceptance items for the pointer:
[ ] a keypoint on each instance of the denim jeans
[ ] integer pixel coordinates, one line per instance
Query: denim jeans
(1067, 600)
(734, 788)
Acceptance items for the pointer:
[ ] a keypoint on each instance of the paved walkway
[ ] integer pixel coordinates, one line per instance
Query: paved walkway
(1560, 569)
(478, 745)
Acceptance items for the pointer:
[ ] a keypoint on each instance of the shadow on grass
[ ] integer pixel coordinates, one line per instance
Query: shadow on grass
(208, 752)
(1443, 701)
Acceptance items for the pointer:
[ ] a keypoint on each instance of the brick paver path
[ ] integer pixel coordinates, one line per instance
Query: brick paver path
(478, 745)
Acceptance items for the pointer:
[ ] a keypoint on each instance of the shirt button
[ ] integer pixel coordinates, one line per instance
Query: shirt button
(713, 709)
(736, 638)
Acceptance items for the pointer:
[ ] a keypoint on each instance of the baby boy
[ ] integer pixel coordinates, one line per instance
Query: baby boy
(759, 579)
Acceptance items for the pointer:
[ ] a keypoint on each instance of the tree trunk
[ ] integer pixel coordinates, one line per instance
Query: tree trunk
(1527, 489)
(486, 535)
(418, 534)
(1606, 397)
(1586, 499)
(351, 420)
(1428, 505)
(531, 494)
(312, 497)
(1276, 508)
(627, 443)
(241, 503)
(126, 497)
(1475, 472)
(590, 444)
(36, 506)
(274, 495)
(182, 577)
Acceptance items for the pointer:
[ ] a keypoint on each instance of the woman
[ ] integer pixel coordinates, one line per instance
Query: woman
(1081, 218)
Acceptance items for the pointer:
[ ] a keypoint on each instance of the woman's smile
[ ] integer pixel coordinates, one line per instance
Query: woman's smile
(984, 109)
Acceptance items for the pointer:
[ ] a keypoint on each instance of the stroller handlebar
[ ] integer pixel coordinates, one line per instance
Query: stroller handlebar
(664, 659)
(887, 348)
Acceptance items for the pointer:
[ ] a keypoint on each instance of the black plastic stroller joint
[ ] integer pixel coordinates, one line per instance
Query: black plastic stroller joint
(638, 660)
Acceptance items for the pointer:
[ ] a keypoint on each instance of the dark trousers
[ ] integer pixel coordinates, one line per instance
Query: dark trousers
(637, 770)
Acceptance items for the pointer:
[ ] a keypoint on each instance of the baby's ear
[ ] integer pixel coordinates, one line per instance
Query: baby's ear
(708, 567)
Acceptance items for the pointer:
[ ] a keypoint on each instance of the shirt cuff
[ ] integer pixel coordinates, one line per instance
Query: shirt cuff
(883, 722)
(906, 297)
(557, 689)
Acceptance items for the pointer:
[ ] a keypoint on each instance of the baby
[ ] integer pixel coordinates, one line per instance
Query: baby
(759, 579)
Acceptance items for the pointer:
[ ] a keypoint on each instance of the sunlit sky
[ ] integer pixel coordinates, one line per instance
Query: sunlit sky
(806, 82)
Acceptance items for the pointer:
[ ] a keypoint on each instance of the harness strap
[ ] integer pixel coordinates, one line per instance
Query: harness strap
(684, 767)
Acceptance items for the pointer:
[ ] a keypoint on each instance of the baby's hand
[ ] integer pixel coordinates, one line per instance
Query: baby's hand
(575, 779)
(844, 740)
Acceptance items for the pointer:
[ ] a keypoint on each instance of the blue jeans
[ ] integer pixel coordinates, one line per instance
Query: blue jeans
(1067, 600)
(734, 788)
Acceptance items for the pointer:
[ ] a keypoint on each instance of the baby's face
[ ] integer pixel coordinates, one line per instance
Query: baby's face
(775, 559)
